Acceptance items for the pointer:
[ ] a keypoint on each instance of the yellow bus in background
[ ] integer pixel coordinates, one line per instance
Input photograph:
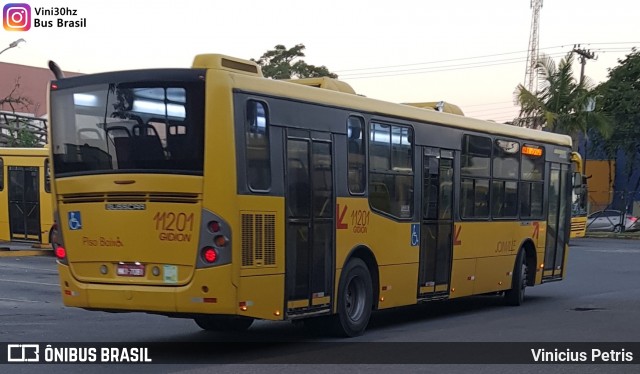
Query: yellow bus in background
(25, 195)
(578, 198)
(215, 194)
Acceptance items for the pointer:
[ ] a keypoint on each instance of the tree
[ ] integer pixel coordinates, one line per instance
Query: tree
(562, 104)
(17, 130)
(283, 63)
(619, 98)
(15, 99)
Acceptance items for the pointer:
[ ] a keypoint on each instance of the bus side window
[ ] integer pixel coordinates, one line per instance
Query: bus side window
(257, 146)
(475, 170)
(355, 157)
(47, 175)
(391, 169)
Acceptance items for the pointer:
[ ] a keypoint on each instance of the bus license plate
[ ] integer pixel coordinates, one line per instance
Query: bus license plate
(130, 270)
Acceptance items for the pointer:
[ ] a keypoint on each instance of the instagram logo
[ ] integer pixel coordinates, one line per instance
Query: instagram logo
(16, 17)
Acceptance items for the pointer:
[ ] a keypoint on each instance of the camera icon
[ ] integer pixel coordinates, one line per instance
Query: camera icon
(16, 17)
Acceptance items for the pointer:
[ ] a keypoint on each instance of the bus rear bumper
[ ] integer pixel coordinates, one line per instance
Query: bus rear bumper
(205, 293)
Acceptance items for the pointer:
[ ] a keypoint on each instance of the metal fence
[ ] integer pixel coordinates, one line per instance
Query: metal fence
(18, 130)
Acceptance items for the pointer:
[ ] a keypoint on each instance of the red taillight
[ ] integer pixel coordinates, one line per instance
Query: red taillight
(632, 219)
(214, 226)
(54, 86)
(209, 254)
(61, 253)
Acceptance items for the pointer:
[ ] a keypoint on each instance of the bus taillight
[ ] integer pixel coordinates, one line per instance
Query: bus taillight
(220, 241)
(214, 226)
(215, 241)
(209, 254)
(61, 253)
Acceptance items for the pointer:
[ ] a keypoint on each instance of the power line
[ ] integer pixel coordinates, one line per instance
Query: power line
(438, 68)
(386, 72)
(441, 61)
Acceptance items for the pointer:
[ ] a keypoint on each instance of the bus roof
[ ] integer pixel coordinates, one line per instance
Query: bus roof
(248, 77)
(326, 83)
(436, 105)
(12, 151)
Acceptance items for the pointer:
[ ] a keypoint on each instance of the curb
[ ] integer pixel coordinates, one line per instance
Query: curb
(5, 252)
(613, 236)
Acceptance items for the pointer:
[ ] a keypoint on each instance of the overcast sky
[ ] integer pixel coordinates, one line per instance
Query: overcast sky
(468, 52)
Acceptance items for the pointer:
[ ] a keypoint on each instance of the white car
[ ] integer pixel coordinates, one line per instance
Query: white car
(611, 220)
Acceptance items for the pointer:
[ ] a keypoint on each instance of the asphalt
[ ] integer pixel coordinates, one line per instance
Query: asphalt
(20, 249)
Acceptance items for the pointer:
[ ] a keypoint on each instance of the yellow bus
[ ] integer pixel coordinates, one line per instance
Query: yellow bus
(578, 198)
(25, 195)
(215, 194)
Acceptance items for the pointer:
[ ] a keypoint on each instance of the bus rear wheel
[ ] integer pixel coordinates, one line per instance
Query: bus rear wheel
(515, 296)
(355, 299)
(223, 323)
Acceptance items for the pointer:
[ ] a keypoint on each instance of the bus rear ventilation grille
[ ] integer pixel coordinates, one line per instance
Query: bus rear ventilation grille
(258, 239)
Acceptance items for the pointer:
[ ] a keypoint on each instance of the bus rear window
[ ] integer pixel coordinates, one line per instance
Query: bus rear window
(155, 127)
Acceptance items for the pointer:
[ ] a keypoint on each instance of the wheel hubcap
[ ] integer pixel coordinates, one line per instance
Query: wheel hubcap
(354, 299)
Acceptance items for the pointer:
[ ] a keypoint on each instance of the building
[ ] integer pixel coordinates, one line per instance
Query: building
(23, 104)
(30, 82)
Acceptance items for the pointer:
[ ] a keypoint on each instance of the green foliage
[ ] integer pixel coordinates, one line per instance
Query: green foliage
(22, 135)
(620, 99)
(283, 63)
(561, 102)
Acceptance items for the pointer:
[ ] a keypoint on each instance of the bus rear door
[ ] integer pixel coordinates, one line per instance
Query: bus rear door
(310, 206)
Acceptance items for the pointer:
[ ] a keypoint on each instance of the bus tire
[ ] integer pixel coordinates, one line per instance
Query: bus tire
(515, 296)
(355, 299)
(53, 237)
(223, 323)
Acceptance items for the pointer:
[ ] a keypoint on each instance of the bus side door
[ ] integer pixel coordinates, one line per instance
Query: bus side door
(436, 245)
(310, 207)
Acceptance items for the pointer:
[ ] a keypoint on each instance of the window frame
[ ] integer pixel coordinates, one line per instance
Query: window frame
(267, 146)
(363, 153)
(474, 177)
(389, 171)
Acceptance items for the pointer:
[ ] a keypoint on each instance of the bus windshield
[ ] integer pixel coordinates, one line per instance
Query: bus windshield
(115, 127)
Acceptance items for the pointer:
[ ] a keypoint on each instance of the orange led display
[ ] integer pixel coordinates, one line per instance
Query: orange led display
(531, 151)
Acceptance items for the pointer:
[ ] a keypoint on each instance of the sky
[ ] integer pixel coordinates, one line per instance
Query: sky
(470, 53)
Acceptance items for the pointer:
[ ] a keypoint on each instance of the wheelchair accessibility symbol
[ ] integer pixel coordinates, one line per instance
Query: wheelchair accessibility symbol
(415, 234)
(75, 220)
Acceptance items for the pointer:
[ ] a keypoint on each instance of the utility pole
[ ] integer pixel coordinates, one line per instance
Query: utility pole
(531, 74)
(585, 54)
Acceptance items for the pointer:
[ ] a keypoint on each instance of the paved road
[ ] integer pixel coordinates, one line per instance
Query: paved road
(598, 302)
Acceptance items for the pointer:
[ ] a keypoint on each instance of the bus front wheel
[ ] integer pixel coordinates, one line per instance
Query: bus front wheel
(355, 299)
(223, 323)
(515, 296)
